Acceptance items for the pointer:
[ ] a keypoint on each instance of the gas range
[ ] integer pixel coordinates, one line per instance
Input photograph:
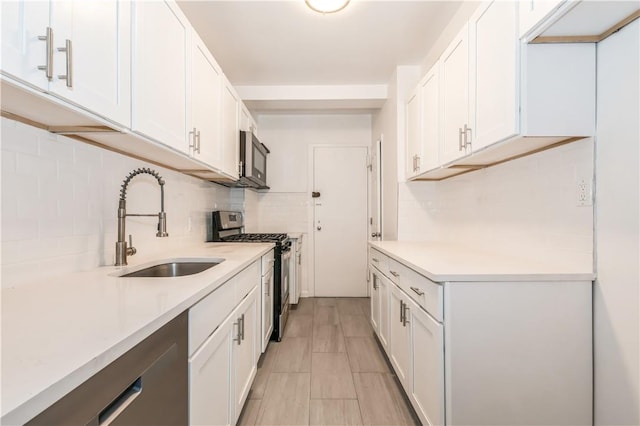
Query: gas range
(229, 227)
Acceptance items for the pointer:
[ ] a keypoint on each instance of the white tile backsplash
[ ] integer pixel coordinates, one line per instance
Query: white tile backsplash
(524, 206)
(60, 200)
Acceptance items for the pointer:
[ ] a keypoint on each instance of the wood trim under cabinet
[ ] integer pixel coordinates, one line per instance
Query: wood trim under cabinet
(586, 38)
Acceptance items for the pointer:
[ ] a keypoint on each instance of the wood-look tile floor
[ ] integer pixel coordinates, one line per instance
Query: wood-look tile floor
(328, 370)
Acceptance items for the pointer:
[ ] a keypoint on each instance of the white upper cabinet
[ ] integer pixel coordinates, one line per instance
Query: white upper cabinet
(493, 85)
(92, 56)
(247, 122)
(414, 135)
(230, 138)
(24, 23)
(454, 93)
(161, 54)
(206, 102)
(500, 98)
(430, 119)
(78, 50)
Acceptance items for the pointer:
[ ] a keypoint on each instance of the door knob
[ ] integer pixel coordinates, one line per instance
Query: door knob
(319, 228)
(315, 194)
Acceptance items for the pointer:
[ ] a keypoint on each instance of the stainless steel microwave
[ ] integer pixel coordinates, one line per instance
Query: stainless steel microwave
(253, 160)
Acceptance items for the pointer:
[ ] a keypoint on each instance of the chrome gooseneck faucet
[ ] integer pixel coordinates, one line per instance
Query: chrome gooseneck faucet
(122, 249)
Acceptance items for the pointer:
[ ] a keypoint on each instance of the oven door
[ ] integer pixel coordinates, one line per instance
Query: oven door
(284, 282)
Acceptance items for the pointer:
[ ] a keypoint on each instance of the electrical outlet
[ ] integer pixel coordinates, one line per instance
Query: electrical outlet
(584, 195)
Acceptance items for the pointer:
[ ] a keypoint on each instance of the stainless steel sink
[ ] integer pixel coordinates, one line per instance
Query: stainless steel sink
(172, 269)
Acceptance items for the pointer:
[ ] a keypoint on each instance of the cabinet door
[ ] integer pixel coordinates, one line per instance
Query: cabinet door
(23, 22)
(427, 353)
(454, 87)
(267, 309)
(414, 134)
(244, 352)
(430, 119)
(383, 290)
(210, 378)
(399, 336)
(97, 67)
(230, 130)
(375, 303)
(493, 68)
(161, 47)
(206, 99)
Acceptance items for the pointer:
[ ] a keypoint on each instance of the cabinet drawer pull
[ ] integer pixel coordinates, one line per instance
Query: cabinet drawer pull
(68, 49)
(394, 273)
(405, 320)
(242, 320)
(375, 260)
(48, 65)
(417, 291)
(238, 337)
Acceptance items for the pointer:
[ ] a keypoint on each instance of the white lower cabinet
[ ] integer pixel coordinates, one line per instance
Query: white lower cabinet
(400, 336)
(380, 306)
(493, 352)
(267, 299)
(427, 366)
(244, 350)
(210, 379)
(224, 365)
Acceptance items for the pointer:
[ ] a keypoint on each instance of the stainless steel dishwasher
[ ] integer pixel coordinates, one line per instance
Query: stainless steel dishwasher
(148, 385)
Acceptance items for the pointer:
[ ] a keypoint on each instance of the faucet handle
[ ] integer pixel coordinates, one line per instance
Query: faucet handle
(131, 250)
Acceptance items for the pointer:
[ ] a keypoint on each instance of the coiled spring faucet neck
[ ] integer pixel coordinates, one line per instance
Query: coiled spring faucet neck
(122, 249)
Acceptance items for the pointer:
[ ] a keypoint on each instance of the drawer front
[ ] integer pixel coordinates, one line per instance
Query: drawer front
(267, 262)
(209, 313)
(395, 270)
(246, 280)
(379, 261)
(423, 291)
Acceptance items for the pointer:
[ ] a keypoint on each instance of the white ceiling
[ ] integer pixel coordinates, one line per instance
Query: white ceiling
(283, 42)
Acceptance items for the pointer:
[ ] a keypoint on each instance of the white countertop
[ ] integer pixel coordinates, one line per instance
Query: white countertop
(57, 334)
(454, 263)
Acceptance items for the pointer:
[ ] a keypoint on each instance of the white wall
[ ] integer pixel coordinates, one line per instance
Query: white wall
(286, 206)
(616, 304)
(522, 206)
(60, 200)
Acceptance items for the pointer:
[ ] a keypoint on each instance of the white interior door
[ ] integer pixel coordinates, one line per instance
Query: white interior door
(340, 221)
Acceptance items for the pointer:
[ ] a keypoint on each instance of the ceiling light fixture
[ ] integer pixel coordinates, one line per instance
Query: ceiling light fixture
(327, 6)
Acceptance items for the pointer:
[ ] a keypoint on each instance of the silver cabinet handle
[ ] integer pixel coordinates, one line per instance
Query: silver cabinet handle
(467, 142)
(198, 139)
(417, 163)
(48, 65)
(417, 291)
(239, 335)
(242, 320)
(394, 273)
(401, 311)
(374, 259)
(192, 140)
(405, 320)
(460, 144)
(109, 414)
(68, 49)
